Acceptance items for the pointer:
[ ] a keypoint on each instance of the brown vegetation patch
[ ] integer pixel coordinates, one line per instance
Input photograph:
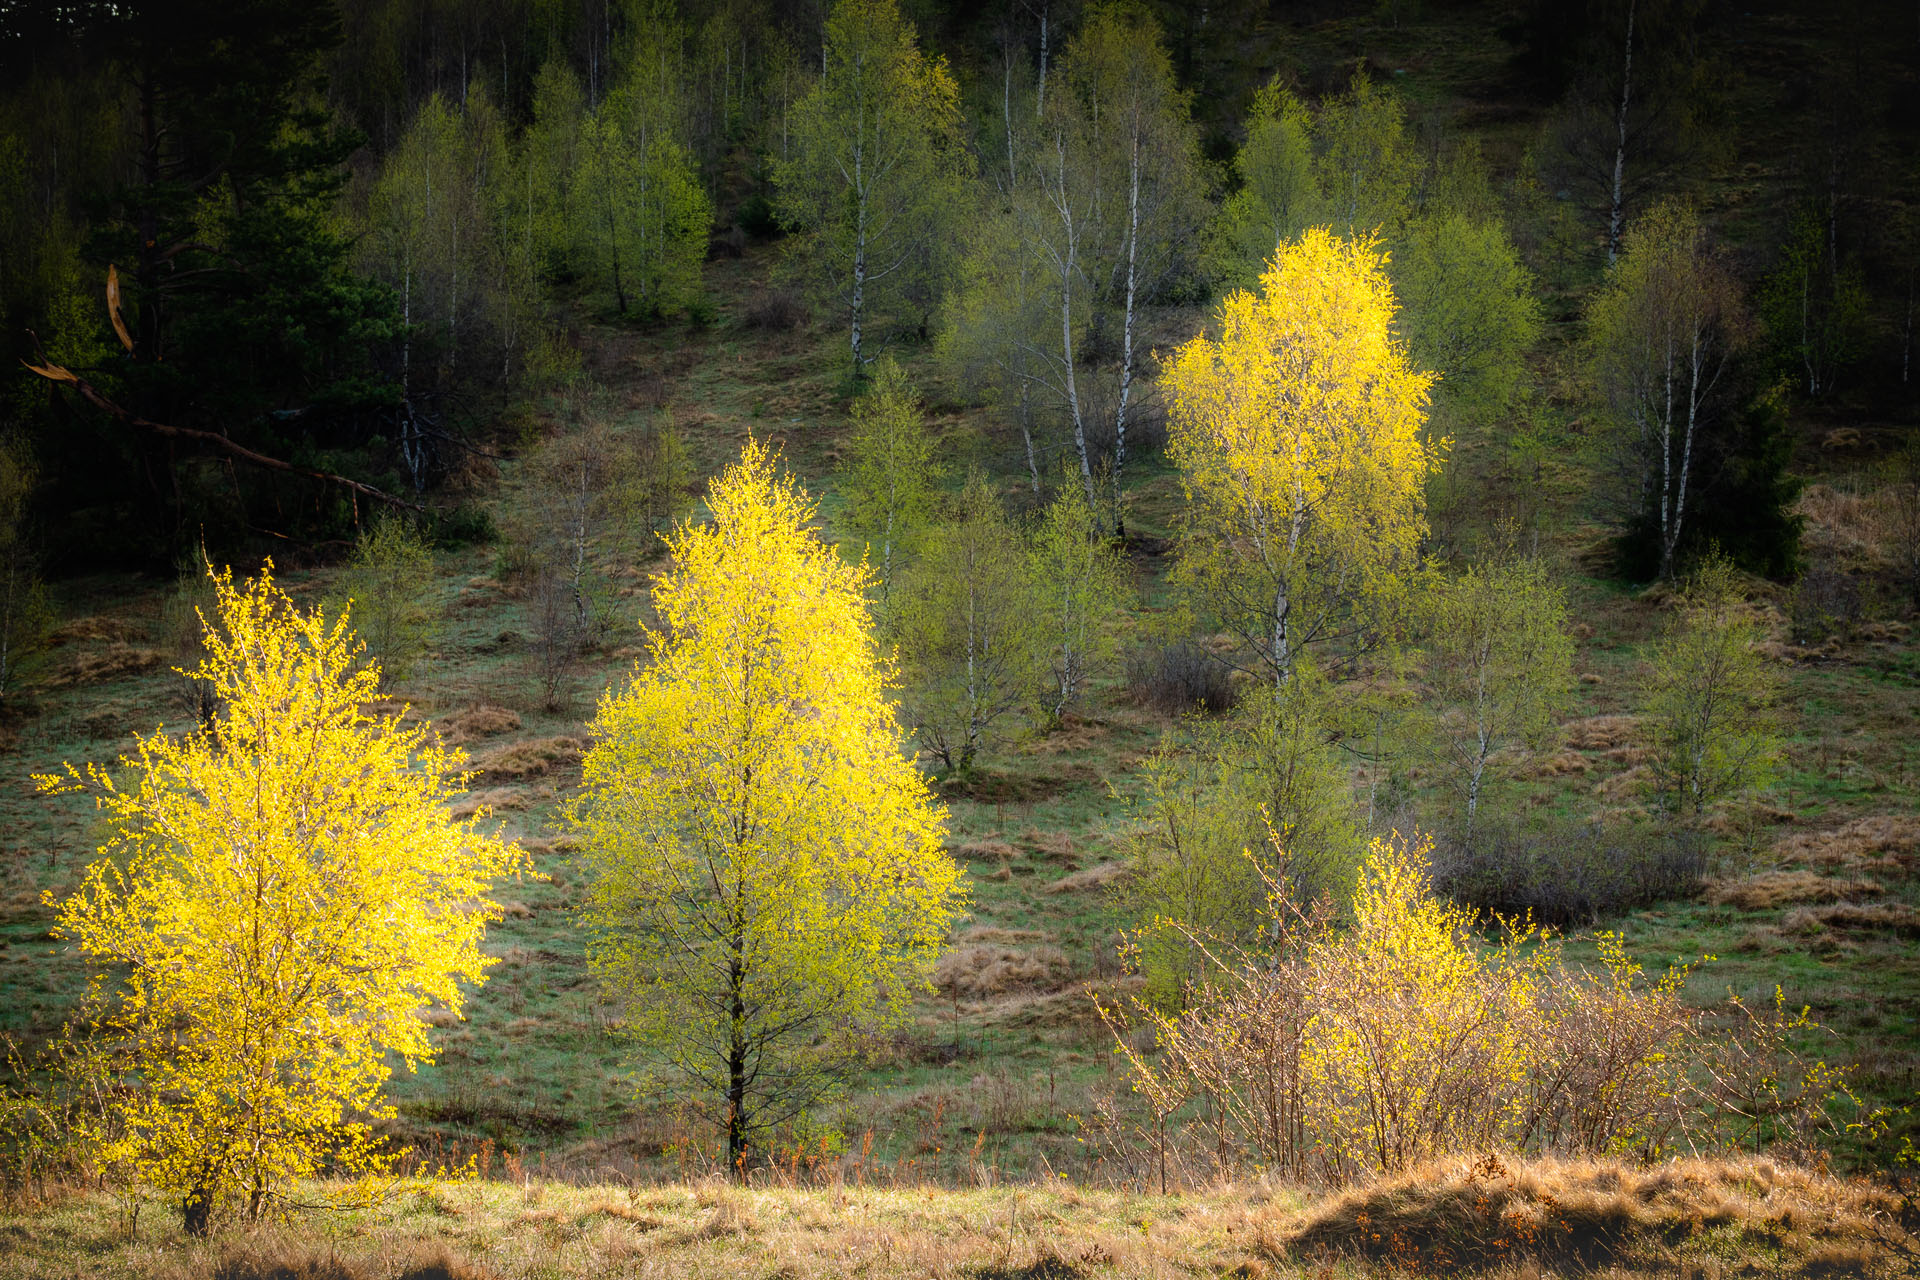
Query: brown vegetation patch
(481, 721)
(985, 851)
(981, 969)
(1094, 877)
(1785, 888)
(1602, 733)
(493, 800)
(96, 628)
(994, 933)
(1558, 765)
(1880, 917)
(1622, 786)
(274, 1258)
(1858, 526)
(111, 663)
(1882, 841)
(1049, 844)
(1584, 1213)
(528, 758)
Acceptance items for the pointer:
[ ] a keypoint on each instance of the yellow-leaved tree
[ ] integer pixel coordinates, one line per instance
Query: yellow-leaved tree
(769, 884)
(281, 893)
(1298, 432)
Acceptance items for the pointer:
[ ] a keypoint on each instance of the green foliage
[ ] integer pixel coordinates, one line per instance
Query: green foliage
(389, 585)
(969, 629)
(1081, 586)
(1501, 668)
(1814, 307)
(644, 230)
(871, 187)
(1710, 699)
(769, 887)
(1470, 311)
(890, 471)
(1364, 159)
(1279, 195)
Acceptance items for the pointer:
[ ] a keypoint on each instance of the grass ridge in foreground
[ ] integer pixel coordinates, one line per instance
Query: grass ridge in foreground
(1694, 1217)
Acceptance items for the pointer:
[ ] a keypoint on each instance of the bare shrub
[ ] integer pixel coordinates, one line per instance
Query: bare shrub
(1180, 677)
(776, 311)
(1825, 603)
(1568, 873)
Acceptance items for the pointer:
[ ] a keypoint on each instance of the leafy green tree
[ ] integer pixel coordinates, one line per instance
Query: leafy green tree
(890, 471)
(1814, 306)
(1364, 159)
(389, 587)
(1710, 699)
(1501, 668)
(1469, 310)
(1279, 195)
(968, 627)
(645, 230)
(1081, 586)
(1661, 335)
(872, 185)
(769, 887)
(276, 902)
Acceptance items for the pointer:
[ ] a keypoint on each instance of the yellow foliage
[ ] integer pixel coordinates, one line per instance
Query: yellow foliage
(1298, 435)
(280, 894)
(769, 874)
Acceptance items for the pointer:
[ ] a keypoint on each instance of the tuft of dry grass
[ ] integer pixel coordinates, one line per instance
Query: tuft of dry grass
(1602, 733)
(1585, 1214)
(494, 800)
(1880, 917)
(1785, 888)
(1880, 842)
(1094, 877)
(483, 720)
(528, 758)
(977, 969)
(116, 661)
(985, 851)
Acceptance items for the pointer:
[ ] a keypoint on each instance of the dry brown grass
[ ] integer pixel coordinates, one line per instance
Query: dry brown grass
(985, 851)
(1557, 765)
(493, 800)
(1858, 527)
(483, 720)
(1589, 1214)
(115, 661)
(1055, 845)
(528, 758)
(977, 969)
(95, 628)
(1095, 877)
(1881, 842)
(1785, 888)
(1848, 917)
(1602, 733)
(1545, 1217)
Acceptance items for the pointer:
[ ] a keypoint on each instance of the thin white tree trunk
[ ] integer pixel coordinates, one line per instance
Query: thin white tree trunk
(1615, 213)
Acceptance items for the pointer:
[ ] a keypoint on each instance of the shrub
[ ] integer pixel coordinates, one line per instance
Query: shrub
(1825, 603)
(1407, 1036)
(776, 310)
(1180, 677)
(1567, 873)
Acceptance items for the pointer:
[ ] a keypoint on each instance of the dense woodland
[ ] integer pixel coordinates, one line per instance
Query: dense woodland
(1222, 592)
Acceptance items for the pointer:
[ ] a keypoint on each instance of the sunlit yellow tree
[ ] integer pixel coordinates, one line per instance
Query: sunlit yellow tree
(1298, 435)
(281, 894)
(768, 878)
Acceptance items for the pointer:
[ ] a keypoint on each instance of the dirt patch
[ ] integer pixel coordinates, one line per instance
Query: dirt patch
(1786, 888)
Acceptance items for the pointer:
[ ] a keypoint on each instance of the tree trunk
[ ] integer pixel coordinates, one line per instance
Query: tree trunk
(1615, 212)
(196, 1211)
(1126, 347)
(737, 1062)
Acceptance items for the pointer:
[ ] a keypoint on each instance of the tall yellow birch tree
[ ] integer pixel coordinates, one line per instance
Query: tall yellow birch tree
(1298, 433)
(281, 893)
(769, 884)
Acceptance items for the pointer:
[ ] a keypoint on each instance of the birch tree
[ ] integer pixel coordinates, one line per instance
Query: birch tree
(871, 186)
(891, 470)
(1501, 670)
(1279, 195)
(1661, 335)
(1298, 433)
(768, 883)
(1080, 585)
